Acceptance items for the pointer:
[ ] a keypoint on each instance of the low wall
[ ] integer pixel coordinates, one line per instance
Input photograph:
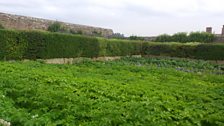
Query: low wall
(82, 59)
(78, 60)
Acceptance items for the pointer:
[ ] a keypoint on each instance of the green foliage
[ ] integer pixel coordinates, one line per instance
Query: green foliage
(36, 44)
(42, 45)
(117, 36)
(201, 37)
(70, 46)
(180, 37)
(196, 51)
(97, 33)
(12, 45)
(125, 92)
(180, 64)
(110, 47)
(55, 27)
(209, 51)
(164, 38)
(79, 32)
(1, 26)
(134, 37)
(184, 37)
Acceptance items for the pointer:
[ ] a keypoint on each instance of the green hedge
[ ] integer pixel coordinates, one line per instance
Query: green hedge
(12, 45)
(45, 45)
(112, 47)
(195, 51)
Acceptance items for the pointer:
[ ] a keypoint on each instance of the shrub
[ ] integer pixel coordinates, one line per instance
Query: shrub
(201, 37)
(180, 37)
(164, 38)
(97, 33)
(133, 37)
(183, 37)
(79, 32)
(1, 26)
(55, 27)
(117, 36)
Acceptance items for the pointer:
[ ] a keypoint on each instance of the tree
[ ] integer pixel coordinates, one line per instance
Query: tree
(1, 26)
(55, 27)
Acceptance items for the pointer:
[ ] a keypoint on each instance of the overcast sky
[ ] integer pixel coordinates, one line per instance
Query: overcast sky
(130, 17)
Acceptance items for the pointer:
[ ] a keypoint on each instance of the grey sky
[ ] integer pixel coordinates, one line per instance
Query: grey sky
(131, 17)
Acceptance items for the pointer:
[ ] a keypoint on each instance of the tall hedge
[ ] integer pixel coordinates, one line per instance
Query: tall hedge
(12, 45)
(36, 43)
(112, 47)
(45, 45)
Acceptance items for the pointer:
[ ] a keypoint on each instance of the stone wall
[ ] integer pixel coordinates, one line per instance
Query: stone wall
(10, 21)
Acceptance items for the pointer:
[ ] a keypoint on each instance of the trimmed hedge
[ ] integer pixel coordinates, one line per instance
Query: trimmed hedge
(113, 47)
(12, 45)
(195, 51)
(45, 45)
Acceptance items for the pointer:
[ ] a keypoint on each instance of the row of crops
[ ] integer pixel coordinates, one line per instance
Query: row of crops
(130, 91)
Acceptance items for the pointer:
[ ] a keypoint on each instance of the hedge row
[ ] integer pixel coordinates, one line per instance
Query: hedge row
(45, 45)
(195, 51)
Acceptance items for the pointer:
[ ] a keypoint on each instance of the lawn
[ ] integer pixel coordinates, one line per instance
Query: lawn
(130, 91)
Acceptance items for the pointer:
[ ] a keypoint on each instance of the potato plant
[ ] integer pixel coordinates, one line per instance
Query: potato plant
(125, 92)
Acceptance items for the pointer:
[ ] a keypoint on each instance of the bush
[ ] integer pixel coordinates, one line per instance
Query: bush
(97, 33)
(55, 27)
(180, 37)
(1, 26)
(164, 38)
(79, 32)
(117, 36)
(133, 37)
(201, 37)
